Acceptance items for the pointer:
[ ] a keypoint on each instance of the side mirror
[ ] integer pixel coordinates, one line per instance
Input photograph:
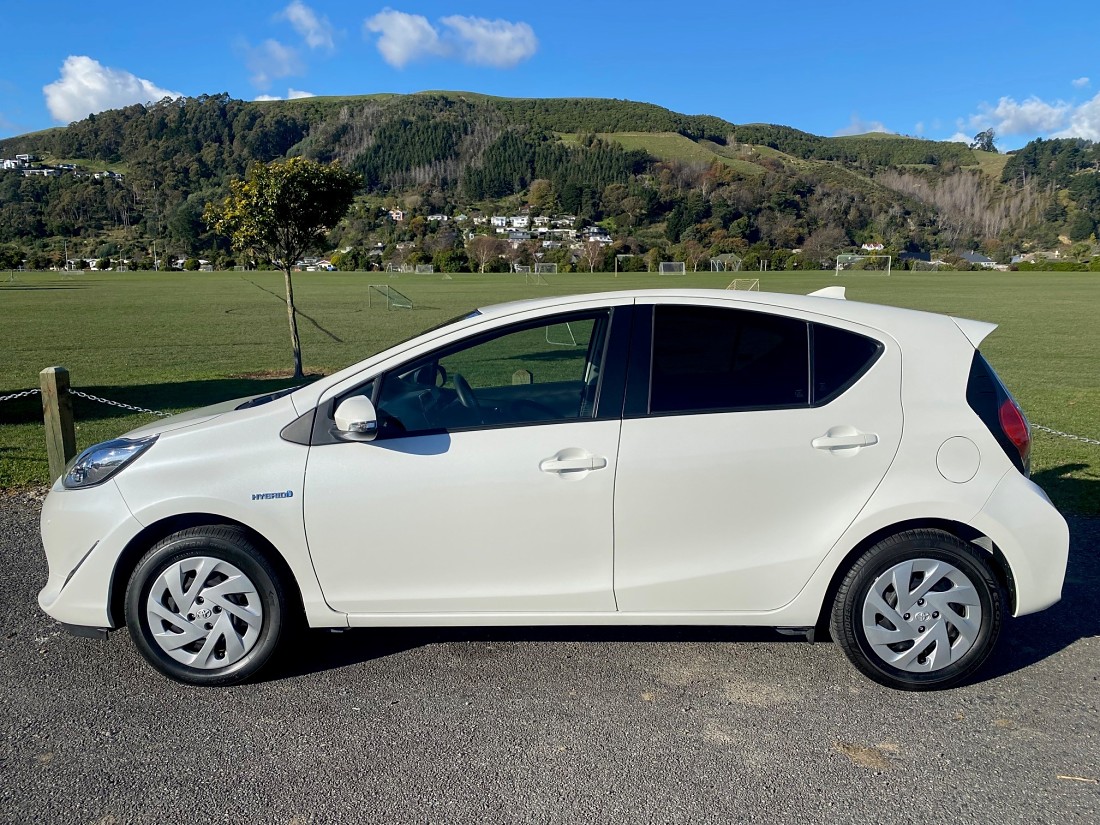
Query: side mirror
(356, 419)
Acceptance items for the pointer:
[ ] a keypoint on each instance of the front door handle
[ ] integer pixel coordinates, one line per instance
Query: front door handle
(844, 438)
(568, 462)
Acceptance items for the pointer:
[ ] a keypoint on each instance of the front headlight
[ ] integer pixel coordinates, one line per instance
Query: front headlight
(101, 461)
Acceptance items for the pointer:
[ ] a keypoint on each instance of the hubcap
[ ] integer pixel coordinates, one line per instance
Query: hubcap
(921, 615)
(204, 612)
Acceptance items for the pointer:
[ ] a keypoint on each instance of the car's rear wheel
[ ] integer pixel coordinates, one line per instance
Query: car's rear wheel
(921, 610)
(205, 607)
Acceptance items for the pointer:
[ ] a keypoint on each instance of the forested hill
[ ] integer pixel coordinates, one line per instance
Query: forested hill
(650, 175)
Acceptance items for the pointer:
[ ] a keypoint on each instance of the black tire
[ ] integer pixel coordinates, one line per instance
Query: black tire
(847, 625)
(232, 546)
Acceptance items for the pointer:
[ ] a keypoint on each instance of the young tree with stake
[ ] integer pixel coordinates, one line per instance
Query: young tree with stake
(283, 210)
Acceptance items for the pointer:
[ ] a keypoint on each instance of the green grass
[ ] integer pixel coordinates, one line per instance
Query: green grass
(176, 341)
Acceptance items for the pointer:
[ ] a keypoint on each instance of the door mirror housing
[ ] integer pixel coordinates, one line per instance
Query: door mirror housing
(356, 419)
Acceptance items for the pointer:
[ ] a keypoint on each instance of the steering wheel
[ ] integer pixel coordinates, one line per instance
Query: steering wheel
(466, 395)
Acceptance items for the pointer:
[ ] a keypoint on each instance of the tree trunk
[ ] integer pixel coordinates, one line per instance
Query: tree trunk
(292, 315)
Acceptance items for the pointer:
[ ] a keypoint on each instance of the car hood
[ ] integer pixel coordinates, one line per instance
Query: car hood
(189, 418)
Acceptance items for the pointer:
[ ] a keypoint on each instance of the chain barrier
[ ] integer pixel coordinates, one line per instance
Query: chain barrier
(118, 404)
(1070, 436)
(21, 394)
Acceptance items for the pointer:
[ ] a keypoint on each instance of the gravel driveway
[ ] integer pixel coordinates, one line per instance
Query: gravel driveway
(535, 725)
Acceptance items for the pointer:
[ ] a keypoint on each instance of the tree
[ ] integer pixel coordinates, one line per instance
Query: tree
(592, 254)
(283, 210)
(983, 141)
(483, 249)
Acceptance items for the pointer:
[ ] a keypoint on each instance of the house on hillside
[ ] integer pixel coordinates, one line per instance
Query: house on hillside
(978, 259)
(397, 215)
(871, 247)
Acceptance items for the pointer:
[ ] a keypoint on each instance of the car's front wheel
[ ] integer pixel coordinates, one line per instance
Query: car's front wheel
(205, 607)
(920, 610)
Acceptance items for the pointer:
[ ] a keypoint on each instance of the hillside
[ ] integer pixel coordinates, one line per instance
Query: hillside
(654, 178)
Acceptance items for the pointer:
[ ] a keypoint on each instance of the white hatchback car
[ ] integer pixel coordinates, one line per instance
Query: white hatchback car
(649, 457)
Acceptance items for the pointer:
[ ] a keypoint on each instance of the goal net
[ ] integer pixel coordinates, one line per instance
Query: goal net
(425, 269)
(534, 278)
(851, 262)
(547, 268)
(521, 268)
(745, 284)
(725, 263)
(385, 295)
(671, 268)
(927, 266)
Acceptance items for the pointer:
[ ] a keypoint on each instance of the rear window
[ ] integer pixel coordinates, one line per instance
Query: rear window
(840, 359)
(713, 359)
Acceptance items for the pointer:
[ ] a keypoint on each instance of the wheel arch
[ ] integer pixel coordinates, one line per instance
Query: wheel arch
(1001, 568)
(141, 543)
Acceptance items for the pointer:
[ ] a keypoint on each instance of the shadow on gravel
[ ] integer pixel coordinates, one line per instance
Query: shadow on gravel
(1031, 639)
(1024, 641)
(319, 650)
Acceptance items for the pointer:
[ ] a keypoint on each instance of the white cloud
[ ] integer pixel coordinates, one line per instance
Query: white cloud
(1032, 116)
(87, 86)
(270, 60)
(960, 137)
(919, 128)
(1080, 82)
(497, 43)
(405, 37)
(291, 94)
(1083, 121)
(858, 126)
(316, 31)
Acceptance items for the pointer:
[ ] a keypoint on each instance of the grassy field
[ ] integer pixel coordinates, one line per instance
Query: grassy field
(176, 341)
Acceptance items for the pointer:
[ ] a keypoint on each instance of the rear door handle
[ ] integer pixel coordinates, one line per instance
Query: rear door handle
(842, 441)
(566, 463)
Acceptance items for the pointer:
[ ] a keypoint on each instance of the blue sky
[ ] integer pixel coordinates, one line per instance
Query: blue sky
(935, 69)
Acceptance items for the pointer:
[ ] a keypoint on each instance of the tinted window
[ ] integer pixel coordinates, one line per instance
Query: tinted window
(526, 374)
(840, 358)
(706, 358)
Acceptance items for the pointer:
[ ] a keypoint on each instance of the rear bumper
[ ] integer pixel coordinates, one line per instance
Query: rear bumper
(1033, 537)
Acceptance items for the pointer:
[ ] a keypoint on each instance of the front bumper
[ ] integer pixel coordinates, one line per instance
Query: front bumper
(1033, 537)
(83, 533)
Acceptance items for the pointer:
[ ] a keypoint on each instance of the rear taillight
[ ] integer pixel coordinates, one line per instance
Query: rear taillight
(1014, 426)
(997, 409)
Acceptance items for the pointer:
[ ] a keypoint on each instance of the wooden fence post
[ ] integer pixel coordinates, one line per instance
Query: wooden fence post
(57, 412)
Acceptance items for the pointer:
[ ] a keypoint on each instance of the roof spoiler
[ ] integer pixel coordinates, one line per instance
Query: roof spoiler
(829, 292)
(975, 331)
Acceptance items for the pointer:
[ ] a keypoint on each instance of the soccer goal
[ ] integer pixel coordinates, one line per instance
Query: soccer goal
(385, 295)
(547, 269)
(671, 268)
(535, 278)
(725, 263)
(521, 268)
(928, 266)
(425, 269)
(864, 263)
(745, 284)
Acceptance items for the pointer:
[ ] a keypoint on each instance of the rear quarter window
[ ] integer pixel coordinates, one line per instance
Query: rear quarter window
(840, 358)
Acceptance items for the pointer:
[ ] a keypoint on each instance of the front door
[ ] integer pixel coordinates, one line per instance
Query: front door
(489, 488)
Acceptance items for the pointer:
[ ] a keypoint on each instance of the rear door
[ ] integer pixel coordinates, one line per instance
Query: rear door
(751, 441)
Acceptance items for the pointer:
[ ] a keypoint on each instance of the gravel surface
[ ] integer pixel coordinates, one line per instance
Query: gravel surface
(521, 725)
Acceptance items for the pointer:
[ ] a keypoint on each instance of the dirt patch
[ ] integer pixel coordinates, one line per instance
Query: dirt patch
(872, 757)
